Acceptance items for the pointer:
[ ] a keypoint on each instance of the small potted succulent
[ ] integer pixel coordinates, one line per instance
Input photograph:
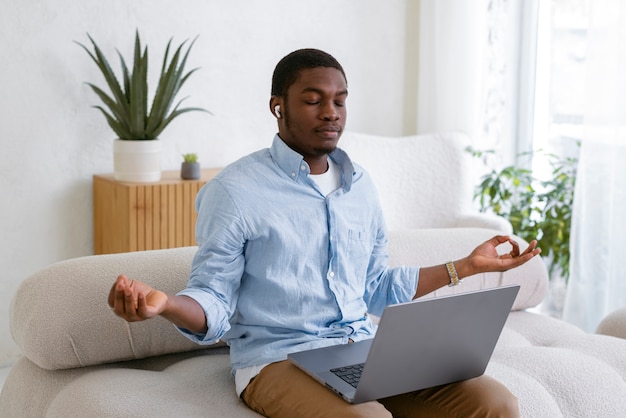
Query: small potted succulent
(136, 122)
(190, 168)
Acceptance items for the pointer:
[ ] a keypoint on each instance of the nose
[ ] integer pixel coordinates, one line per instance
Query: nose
(330, 112)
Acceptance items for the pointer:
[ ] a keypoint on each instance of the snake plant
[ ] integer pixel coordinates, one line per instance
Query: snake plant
(127, 111)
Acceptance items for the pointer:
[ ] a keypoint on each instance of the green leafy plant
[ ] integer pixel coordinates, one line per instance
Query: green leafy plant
(190, 157)
(537, 209)
(127, 111)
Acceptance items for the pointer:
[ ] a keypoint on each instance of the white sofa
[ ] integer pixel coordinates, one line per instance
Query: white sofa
(80, 360)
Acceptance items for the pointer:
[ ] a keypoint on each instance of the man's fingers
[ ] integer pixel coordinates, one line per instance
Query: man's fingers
(531, 246)
(118, 303)
(129, 299)
(515, 251)
(130, 303)
(142, 306)
(114, 289)
(499, 239)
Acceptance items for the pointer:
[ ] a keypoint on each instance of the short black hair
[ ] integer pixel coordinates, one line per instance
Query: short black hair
(288, 69)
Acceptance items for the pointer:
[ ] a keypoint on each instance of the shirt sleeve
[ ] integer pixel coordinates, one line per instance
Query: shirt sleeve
(388, 285)
(218, 265)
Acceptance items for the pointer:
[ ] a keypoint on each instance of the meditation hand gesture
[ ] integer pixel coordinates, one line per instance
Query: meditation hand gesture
(134, 300)
(485, 257)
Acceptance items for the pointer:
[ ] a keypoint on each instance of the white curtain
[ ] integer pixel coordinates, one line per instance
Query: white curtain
(451, 41)
(471, 55)
(597, 283)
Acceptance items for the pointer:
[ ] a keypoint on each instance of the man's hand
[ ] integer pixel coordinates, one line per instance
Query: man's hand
(485, 257)
(133, 300)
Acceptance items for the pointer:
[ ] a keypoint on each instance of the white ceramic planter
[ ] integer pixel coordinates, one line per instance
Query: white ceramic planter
(137, 161)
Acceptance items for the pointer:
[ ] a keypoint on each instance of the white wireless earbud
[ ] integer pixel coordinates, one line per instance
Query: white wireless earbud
(277, 111)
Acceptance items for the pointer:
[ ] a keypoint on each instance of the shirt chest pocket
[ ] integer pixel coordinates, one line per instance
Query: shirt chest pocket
(359, 246)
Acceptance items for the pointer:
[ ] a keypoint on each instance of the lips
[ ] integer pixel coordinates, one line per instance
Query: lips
(329, 131)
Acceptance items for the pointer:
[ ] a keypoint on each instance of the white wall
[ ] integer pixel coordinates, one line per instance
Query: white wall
(52, 141)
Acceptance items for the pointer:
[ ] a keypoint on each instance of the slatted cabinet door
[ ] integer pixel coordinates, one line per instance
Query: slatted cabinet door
(145, 216)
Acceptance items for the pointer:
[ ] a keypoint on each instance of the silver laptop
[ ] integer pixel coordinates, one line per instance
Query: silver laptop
(419, 344)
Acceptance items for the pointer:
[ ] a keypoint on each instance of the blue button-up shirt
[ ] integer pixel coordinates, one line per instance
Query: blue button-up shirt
(281, 267)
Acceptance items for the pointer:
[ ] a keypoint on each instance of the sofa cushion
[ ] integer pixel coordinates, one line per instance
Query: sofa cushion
(192, 384)
(557, 370)
(554, 368)
(613, 324)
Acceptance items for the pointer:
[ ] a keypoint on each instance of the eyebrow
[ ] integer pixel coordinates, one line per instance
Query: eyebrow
(322, 92)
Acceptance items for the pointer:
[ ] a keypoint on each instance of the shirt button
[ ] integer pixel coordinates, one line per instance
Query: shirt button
(293, 174)
(331, 274)
(302, 168)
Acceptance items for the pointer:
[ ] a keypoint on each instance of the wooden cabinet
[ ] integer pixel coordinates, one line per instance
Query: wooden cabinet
(145, 216)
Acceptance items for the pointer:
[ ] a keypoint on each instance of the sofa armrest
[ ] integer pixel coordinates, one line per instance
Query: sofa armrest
(484, 220)
(427, 247)
(613, 324)
(60, 318)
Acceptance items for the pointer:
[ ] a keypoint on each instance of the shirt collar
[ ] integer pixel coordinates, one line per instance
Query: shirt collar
(293, 164)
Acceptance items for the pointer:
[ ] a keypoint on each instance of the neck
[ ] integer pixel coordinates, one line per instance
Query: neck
(318, 165)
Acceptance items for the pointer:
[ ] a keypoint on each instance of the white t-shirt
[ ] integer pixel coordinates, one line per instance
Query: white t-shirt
(329, 181)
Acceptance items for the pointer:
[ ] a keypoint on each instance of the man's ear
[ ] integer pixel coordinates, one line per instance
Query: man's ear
(276, 107)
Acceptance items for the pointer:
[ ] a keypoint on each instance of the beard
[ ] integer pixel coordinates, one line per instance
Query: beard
(316, 150)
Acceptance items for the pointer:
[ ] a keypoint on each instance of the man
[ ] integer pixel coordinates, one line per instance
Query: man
(292, 255)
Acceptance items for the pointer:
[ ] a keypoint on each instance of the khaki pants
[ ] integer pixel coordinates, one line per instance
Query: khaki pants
(283, 390)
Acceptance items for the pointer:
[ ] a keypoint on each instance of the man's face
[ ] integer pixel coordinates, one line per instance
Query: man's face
(314, 112)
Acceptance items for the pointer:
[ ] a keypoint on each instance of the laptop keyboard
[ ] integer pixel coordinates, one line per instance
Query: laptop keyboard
(349, 374)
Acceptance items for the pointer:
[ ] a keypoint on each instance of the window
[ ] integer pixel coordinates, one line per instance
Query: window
(560, 79)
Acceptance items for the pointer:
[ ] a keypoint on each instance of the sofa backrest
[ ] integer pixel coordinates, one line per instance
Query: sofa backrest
(423, 181)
